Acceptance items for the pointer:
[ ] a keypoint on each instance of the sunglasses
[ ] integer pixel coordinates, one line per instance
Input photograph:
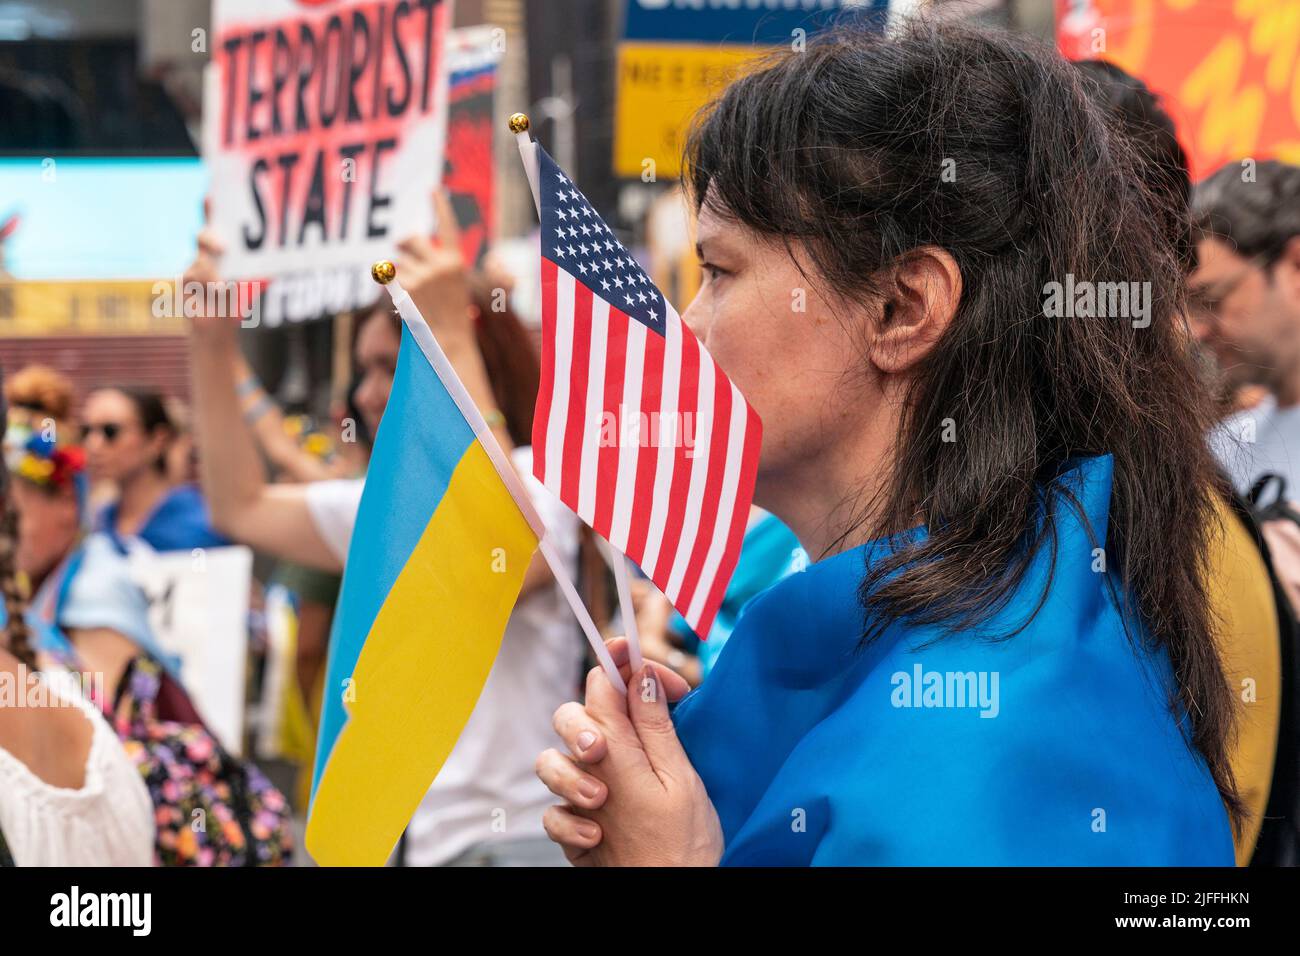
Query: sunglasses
(110, 431)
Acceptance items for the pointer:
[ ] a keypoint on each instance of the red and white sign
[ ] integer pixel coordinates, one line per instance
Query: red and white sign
(324, 129)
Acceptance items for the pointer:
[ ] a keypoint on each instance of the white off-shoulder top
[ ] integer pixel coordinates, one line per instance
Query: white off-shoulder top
(108, 821)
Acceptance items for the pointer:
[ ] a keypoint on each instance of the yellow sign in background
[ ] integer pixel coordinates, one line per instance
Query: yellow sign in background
(84, 308)
(661, 86)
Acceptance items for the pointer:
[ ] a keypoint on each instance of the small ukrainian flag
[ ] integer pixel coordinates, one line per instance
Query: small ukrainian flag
(443, 537)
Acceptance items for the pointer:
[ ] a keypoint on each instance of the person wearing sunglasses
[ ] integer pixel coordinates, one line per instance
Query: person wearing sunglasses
(127, 434)
(1246, 310)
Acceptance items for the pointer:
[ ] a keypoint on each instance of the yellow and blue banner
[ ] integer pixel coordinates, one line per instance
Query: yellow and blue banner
(435, 566)
(676, 57)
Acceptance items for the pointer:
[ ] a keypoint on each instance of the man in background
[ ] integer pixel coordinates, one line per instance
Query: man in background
(1246, 296)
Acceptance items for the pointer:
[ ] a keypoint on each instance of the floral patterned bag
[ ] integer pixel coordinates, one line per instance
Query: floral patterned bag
(210, 809)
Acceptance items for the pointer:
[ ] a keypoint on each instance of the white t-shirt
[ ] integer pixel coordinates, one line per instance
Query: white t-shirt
(107, 821)
(1260, 440)
(487, 790)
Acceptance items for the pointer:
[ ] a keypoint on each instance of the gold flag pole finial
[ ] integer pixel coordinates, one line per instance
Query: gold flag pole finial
(527, 152)
(383, 272)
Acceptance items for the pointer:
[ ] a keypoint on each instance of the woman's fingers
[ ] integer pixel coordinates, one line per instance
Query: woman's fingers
(618, 650)
(414, 249)
(577, 857)
(448, 230)
(579, 732)
(576, 834)
(647, 706)
(204, 268)
(567, 781)
(210, 243)
(674, 684)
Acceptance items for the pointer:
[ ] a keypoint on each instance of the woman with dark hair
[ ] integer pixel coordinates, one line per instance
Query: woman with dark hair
(1162, 161)
(1004, 654)
(127, 434)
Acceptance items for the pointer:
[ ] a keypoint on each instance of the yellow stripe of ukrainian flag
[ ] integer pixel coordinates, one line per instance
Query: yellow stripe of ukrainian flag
(423, 666)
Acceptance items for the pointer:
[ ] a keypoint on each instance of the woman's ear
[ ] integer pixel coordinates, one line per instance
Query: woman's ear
(159, 441)
(918, 302)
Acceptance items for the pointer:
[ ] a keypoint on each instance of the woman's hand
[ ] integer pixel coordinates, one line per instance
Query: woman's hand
(433, 273)
(206, 270)
(632, 796)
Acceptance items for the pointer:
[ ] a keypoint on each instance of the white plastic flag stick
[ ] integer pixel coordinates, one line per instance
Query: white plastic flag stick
(629, 613)
(618, 563)
(423, 336)
(528, 153)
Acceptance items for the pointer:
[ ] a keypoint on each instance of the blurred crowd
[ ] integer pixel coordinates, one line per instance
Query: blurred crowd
(113, 764)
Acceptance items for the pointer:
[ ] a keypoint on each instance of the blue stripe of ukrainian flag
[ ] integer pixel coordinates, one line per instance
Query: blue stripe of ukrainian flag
(436, 562)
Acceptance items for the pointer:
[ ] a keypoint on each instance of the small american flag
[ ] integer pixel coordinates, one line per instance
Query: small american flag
(636, 429)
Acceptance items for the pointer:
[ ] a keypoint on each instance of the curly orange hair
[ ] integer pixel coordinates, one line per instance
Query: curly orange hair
(40, 388)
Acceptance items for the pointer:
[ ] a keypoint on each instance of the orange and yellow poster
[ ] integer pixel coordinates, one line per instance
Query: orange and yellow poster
(1227, 70)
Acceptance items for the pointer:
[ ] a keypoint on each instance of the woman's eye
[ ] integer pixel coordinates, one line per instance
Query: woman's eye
(712, 271)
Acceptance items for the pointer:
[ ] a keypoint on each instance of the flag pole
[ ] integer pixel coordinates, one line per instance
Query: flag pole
(385, 273)
(628, 612)
(519, 125)
(528, 153)
(618, 563)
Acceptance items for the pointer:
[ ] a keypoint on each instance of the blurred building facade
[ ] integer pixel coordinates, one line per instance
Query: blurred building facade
(122, 80)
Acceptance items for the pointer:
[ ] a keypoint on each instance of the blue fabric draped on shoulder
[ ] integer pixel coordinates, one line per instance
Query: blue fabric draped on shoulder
(1056, 746)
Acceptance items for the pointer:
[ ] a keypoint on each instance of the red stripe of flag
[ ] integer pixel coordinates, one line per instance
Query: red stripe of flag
(739, 519)
(688, 399)
(652, 389)
(577, 411)
(542, 413)
(607, 459)
(712, 488)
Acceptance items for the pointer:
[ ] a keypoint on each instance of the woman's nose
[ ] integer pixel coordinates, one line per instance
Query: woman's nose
(695, 319)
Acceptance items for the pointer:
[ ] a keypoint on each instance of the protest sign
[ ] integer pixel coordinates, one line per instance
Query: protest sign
(1233, 90)
(324, 129)
(473, 54)
(676, 55)
(198, 611)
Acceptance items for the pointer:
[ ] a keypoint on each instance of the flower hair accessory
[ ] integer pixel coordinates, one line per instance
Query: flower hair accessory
(41, 461)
